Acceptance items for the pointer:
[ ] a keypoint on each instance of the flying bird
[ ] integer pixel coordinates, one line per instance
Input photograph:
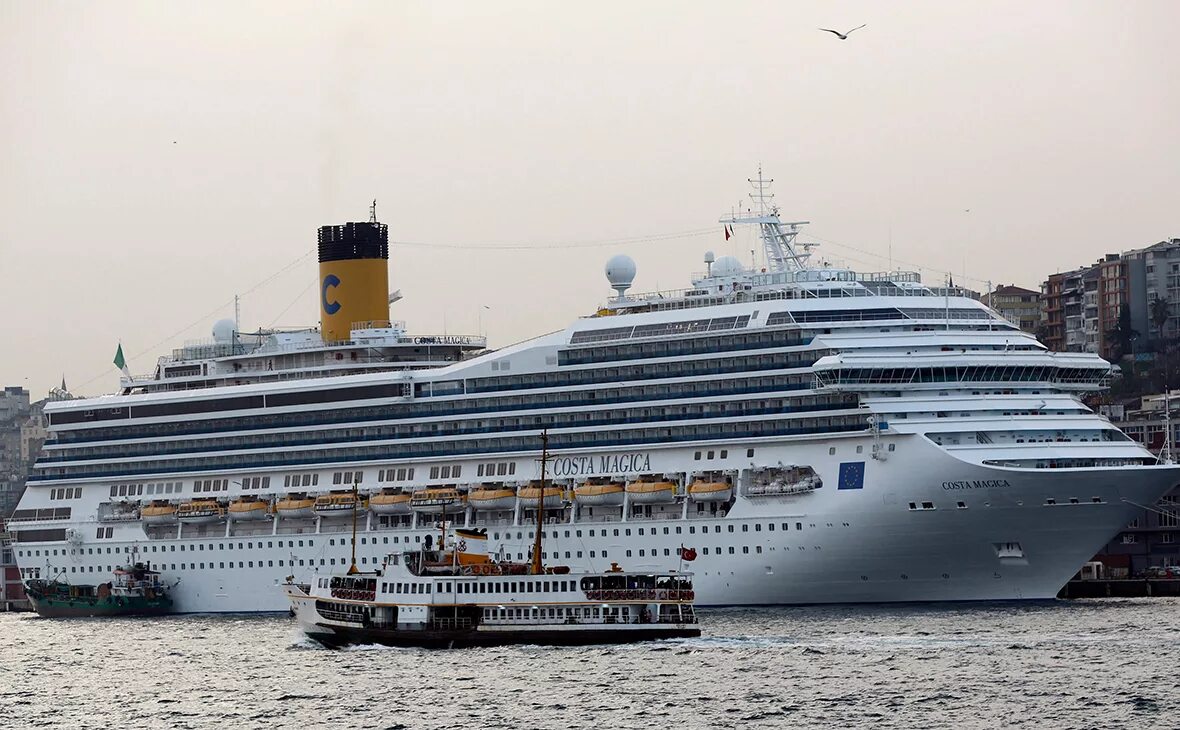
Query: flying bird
(842, 36)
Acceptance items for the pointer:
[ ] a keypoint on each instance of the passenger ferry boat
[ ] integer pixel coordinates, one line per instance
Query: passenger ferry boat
(820, 434)
(457, 596)
(426, 598)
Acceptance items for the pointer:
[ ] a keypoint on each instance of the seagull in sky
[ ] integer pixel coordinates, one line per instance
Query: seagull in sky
(842, 36)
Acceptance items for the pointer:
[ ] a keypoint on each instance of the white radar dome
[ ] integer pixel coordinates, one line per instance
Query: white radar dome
(727, 266)
(620, 272)
(224, 331)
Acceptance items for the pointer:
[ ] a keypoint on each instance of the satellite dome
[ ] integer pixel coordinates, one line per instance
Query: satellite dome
(709, 257)
(620, 272)
(728, 266)
(224, 331)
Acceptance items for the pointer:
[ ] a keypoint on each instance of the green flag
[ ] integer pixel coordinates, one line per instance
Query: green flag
(120, 362)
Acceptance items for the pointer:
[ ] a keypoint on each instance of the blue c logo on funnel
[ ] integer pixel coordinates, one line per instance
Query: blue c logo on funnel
(332, 307)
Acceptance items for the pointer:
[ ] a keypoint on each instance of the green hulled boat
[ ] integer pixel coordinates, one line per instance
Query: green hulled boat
(135, 591)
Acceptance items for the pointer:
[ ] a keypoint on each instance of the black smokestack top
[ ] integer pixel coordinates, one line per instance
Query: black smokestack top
(354, 241)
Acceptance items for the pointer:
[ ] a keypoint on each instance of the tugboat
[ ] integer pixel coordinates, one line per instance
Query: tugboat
(135, 591)
(457, 596)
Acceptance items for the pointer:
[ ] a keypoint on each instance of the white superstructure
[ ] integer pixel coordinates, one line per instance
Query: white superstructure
(815, 434)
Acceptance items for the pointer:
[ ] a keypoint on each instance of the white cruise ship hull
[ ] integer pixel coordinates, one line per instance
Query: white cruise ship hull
(1020, 534)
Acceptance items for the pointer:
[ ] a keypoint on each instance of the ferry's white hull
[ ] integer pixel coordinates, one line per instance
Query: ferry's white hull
(849, 545)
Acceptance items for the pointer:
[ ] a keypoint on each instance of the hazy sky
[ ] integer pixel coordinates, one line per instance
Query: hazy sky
(157, 158)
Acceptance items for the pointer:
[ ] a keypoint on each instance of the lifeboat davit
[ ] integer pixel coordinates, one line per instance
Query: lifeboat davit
(530, 495)
(159, 512)
(440, 500)
(295, 506)
(651, 492)
(200, 511)
(702, 491)
(249, 508)
(390, 502)
(340, 504)
(595, 495)
(492, 498)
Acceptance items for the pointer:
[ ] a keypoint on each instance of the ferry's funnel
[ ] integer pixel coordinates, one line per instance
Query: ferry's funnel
(354, 278)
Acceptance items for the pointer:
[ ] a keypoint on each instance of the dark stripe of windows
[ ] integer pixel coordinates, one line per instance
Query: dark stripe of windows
(613, 417)
(402, 409)
(653, 435)
(684, 347)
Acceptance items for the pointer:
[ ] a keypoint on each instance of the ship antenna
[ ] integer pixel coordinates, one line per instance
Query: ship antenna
(537, 567)
(373, 211)
(352, 570)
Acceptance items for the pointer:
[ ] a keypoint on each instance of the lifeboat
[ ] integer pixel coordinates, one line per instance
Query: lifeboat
(340, 504)
(702, 491)
(439, 500)
(249, 508)
(159, 512)
(530, 495)
(295, 506)
(651, 492)
(596, 495)
(390, 502)
(492, 498)
(200, 511)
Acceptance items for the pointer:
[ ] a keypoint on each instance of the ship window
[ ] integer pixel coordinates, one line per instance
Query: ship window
(434, 472)
(479, 471)
(696, 455)
(725, 453)
(749, 453)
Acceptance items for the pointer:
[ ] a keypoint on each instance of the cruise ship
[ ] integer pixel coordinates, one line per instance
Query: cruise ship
(812, 434)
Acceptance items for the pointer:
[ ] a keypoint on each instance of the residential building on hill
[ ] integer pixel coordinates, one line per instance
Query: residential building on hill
(1016, 304)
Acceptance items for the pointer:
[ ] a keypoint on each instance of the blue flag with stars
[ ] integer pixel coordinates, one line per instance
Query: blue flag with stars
(852, 475)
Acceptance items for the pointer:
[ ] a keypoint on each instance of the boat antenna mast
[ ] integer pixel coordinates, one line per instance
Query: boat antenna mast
(537, 567)
(352, 569)
(778, 237)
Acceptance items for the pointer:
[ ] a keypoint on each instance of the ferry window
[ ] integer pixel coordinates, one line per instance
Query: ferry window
(479, 471)
(410, 473)
(434, 472)
(786, 526)
(336, 478)
(749, 453)
(512, 468)
(730, 527)
(696, 455)
(114, 490)
(397, 588)
(798, 525)
(307, 479)
(770, 526)
(710, 456)
(731, 549)
(616, 532)
(892, 447)
(724, 453)
(745, 528)
(628, 553)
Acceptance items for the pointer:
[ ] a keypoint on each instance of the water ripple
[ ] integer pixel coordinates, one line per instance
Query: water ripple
(1085, 664)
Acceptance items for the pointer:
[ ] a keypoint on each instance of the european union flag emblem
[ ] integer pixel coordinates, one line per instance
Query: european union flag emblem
(852, 475)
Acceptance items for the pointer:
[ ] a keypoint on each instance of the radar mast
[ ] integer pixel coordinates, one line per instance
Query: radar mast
(778, 237)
